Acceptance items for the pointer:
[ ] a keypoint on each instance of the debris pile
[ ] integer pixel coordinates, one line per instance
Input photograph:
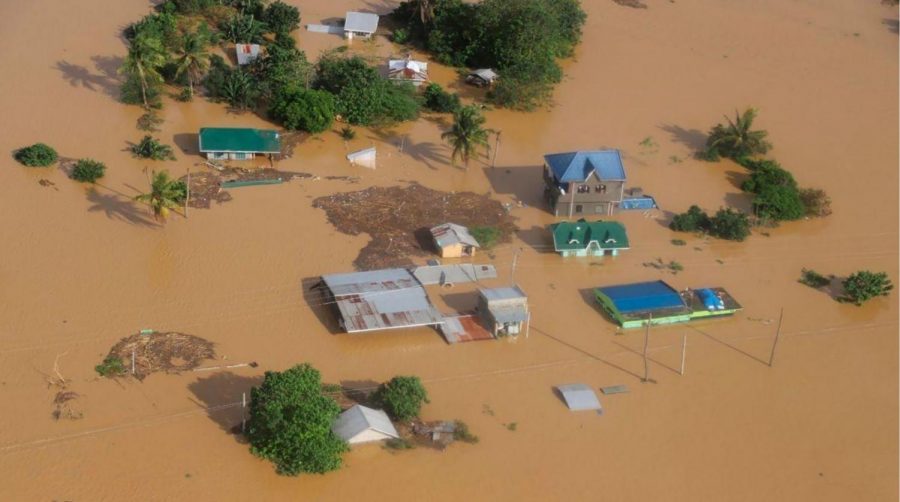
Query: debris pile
(168, 352)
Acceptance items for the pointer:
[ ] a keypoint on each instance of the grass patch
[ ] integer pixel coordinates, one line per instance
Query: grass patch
(462, 433)
(399, 444)
(678, 242)
(512, 426)
(813, 279)
(487, 237)
(110, 367)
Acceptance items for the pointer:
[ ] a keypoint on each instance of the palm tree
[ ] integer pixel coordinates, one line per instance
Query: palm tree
(467, 135)
(165, 194)
(425, 8)
(193, 59)
(736, 139)
(145, 57)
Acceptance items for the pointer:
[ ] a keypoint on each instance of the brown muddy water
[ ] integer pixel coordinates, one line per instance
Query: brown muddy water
(83, 267)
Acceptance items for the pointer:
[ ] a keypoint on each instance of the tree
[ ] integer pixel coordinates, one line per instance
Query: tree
(816, 202)
(764, 174)
(88, 170)
(864, 285)
(693, 220)
(467, 135)
(737, 139)
(729, 224)
(779, 203)
(425, 9)
(165, 194)
(193, 59)
(290, 422)
(439, 100)
(239, 89)
(243, 28)
(402, 396)
(283, 65)
(145, 57)
(486, 237)
(362, 96)
(150, 148)
(36, 155)
(303, 109)
(281, 18)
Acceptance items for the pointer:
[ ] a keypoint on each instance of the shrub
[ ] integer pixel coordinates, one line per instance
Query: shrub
(36, 155)
(439, 100)
(864, 285)
(764, 174)
(150, 148)
(678, 242)
(362, 96)
(462, 433)
(487, 237)
(348, 133)
(110, 367)
(302, 109)
(130, 92)
(281, 18)
(402, 396)
(729, 224)
(816, 202)
(779, 203)
(88, 170)
(400, 36)
(813, 279)
(243, 28)
(290, 422)
(399, 444)
(693, 220)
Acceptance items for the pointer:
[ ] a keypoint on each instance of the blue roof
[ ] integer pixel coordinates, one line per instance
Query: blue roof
(643, 296)
(578, 166)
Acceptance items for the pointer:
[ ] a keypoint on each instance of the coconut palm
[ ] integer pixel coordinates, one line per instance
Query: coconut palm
(425, 8)
(193, 59)
(467, 134)
(145, 57)
(165, 194)
(736, 139)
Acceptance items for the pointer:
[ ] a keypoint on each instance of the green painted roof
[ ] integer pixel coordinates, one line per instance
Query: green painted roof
(239, 139)
(573, 235)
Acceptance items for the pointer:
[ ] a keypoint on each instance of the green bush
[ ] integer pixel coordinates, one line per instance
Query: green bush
(764, 174)
(864, 285)
(439, 100)
(362, 96)
(290, 422)
(243, 28)
(462, 433)
(88, 170)
(110, 367)
(297, 108)
(487, 237)
(400, 36)
(150, 148)
(348, 133)
(813, 279)
(816, 202)
(36, 155)
(281, 18)
(693, 220)
(729, 224)
(779, 203)
(402, 397)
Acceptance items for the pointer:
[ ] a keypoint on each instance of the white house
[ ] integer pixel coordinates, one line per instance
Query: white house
(246, 53)
(360, 24)
(364, 425)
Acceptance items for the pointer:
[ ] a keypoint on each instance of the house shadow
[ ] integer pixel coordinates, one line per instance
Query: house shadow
(188, 143)
(538, 238)
(118, 207)
(666, 217)
(694, 139)
(893, 25)
(220, 394)
(361, 391)
(463, 303)
(525, 183)
(81, 76)
(318, 303)
(425, 240)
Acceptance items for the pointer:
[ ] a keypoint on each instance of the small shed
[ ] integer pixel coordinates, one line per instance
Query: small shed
(360, 424)
(484, 77)
(360, 24)
(408, 70)
(238, 143)
(504, 311)
(365, 158)
(583, 238)
(454, 241)
(246, 53)
(579, 397)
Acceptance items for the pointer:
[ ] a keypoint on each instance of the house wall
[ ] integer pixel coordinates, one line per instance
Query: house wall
(452, 251)
(589, 203)
(368, 436)
(230, 155)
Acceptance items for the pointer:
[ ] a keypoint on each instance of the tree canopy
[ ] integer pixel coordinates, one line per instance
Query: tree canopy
(736, 139)
(864, 285)
(363, 97)
(303, 109)
(36, 155)
(467, 135)
(403, 396)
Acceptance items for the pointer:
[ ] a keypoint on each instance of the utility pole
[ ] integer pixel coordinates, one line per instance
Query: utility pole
(646, 343)
(187, 197)
(683, 350)
(777, 335)
(496, 149)
(512, 274)
(132, 361)
(243, 414)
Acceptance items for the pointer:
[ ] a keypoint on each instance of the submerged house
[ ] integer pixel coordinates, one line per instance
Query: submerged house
(246, 53)
(453, 241)
(504, 311)
(238, 143)
(584, 182)
(360, 24)
(360, 424)
(656, 302)
(583, 238)
(484, 77)
(408, 70)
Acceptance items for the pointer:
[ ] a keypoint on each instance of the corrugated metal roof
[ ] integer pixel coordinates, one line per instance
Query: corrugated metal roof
(454, 274)
(509, 313)
(358, 419)
(509, 293)
(381, 299)
(643, 296)
(361, 22)
(485, 74)
(451, 233)
(246, 53)
(239, 139)
(578, 166)
(579, 396)
(573, 235)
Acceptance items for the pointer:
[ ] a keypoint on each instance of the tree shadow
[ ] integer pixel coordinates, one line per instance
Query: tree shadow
(525, 183)
(220, 395)
(361, 391)
(118, 207)
(80, 76)
(893, 25)
(739, 200)
(694, 139)
(538, 238)
(188, 143)
(425, 240)
(426, 152)
(737, 178)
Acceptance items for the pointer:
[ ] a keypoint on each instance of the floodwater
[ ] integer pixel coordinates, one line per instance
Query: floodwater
(84, 266)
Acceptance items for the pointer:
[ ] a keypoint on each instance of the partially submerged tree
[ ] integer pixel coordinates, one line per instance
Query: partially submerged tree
(165, 194)
(864, 285)
(362, 96)
(303, 109)
(146, 56)
(36, 155)
(693, 220)
(88, 170)
(193, 59)
(150, 148)
(729, 224)
(402, 396)
(736, 139)
(290, 422)
(281, 18)
(467, 136)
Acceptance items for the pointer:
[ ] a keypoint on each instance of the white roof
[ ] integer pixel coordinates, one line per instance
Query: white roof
(359, 419)
(579, 397)
(246, 53)
(485, 73)
(361, 22)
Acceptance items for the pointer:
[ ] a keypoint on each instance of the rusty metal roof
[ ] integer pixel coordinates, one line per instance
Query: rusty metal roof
(381, 299)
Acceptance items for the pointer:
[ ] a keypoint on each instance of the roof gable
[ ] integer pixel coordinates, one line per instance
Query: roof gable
(578, 166)
(358, 419)
(575, 235)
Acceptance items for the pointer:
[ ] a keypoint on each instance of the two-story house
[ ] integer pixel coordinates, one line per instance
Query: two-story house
(584, 183)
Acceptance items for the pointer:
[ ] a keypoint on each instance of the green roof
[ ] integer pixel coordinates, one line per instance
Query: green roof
(239, 139)
(574, 235)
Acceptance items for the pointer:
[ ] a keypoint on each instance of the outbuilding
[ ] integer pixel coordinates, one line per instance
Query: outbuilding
(246, 53)
(579, 397)
(408, 70)
(484, 77)
(360, 424)
(453, 241)
(360, 24)
(583, 238)
(238, 143)
(504, 311)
